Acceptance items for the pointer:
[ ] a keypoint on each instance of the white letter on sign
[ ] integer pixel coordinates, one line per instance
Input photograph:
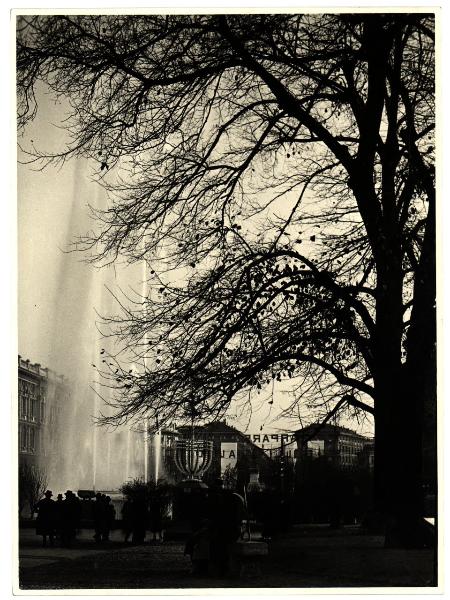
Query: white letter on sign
(228, 455)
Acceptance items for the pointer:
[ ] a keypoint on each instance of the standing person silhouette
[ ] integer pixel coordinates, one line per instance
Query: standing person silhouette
(140, 516)
(99, 510)
(58, 516)
(127, 518)
(217, 533)
(110, 517)
(156, 517)
(225, 518)
(70, 518)
(46, 518)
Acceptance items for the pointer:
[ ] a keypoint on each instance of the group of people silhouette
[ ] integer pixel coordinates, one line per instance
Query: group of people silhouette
(140, 514)
(216, 518)
(104, 515)
(61, 519)
(215, 514)
(58, 519)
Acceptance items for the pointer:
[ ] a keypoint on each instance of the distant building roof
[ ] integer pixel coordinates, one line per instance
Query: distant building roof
(36, 370)
(317, 430)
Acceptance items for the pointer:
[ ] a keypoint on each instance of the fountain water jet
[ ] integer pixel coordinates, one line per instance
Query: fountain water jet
(146, 447)
(77, 453)
(94, 447)
(157, 442)
(155, 436)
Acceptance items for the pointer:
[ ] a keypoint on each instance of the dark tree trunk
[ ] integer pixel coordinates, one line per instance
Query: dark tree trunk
(389, 401)
(402, 392)
(420, 374)
(421, 365)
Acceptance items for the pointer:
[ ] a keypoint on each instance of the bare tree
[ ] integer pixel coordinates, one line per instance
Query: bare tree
(281, 167)
(32, 485)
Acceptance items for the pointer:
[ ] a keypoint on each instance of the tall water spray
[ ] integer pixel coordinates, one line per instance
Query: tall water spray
(155, 443)
(78, 453)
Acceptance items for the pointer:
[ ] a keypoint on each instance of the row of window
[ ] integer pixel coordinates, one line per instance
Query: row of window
(31, 404)
(349, 451)
(27, 388)
(350, 448)
(31, 409)
(28, 438)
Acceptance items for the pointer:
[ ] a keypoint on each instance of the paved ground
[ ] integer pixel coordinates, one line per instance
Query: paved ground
(304, 557)
(32, 554)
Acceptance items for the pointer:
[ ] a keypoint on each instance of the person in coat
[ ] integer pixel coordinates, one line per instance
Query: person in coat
(156, 517)
(70, 518)
(127, 518)
(46, 518)
(100, 517)
(110, 517)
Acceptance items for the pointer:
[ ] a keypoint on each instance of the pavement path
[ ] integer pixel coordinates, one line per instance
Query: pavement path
(302, 558)
(33, 554)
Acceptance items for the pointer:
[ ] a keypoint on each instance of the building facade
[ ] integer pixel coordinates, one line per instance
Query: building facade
(41, 393)
(334, 475)
(31, 396)
(339, 446)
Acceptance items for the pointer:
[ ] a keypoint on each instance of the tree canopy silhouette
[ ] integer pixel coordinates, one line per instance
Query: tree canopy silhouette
(276, 173)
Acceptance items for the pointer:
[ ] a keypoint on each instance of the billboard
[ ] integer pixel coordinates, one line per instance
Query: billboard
(228, 455)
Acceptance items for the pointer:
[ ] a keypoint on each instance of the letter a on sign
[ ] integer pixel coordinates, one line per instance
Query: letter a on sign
(228, 455)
